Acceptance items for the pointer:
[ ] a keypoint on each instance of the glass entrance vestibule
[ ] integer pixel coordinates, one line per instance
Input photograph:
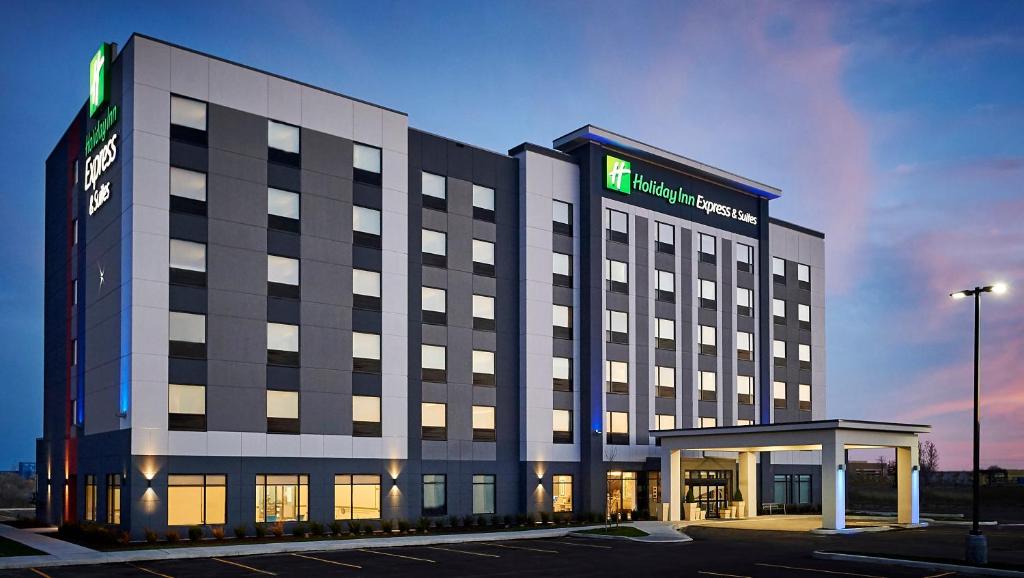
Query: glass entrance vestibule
(712, 489)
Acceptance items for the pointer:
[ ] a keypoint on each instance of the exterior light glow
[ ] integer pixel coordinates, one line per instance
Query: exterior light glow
(958, 295)
(1000, 288)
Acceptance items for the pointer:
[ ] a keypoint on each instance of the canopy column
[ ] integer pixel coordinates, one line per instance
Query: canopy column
(833, 483)
(907, 485)
(748, 483)
(671, 472)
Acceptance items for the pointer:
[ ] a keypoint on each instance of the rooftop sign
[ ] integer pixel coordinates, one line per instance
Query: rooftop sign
(99, 79)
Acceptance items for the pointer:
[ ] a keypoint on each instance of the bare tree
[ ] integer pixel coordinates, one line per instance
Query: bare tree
(928, 458)
(15, 492)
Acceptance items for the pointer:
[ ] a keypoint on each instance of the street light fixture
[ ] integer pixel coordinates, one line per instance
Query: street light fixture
(977, 544)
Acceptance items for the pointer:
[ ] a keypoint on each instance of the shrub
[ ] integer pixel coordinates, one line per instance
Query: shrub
(521, 519)
(124, 538)
(689, 496)
(481, 521)
(172, 536)
(195, 533)
(737, 496)
(240, 530)
(217, 532)
(277, 529)
(336, 528)
(261, 530)
(545, 517)
(451, 522)
(300, 529)
(403, 526)
(151, 536)
(423, 524)
(355, 528)
(70, 531)
(597, 517)
(508, 520)
(316, 529)
(387, 526)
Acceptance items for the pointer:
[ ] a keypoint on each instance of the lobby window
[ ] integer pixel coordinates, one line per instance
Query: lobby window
(483, 203)
(283, 144)
(708, 294)
(434, 421)
(561, 426)
(616, 274)
(663, 421)
(483, 312)
(282, 210)
(779, 270)
(779, 352)
(483, 367)
(779, 311)
(365, 352)
(282, 498)
(617, 323)
(282, 277)
(803, 314)
(435, 191)
(483, 494)
(188, 120)
(804, 354)
(188, 191)
(89, 509)
(282, 344)
(282, 412)
(803, 276)
(618, 226)
(187, 333)
(366, 416)
(561, 493)
(805, 397)
(434, 306)
(792, 488)
(113, 498)
(435, 248)
(188, 263)
(365, 164)
(616, 376)
(433, 363)
(618, 427)
(365, 227)
(744, 302)
(708, 383)
(366, 289)
(561, 321)
(743, 422)
(561, 217)
(664, 381)
(706, 250)
(665, 241)
(707, 339)
(196, 499)
(435, 495)
(779, 394)
(561, 269)
(356, 497)
(744, 258)
(745, 389)
(483, 258)
(665, 286)
(561, 373)
(665, 333)
(706, 422)
(186, 407)
(745, 346)
(483, 423)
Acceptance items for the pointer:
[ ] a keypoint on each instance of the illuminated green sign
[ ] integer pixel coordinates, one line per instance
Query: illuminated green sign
(99, 79)
(617, 174)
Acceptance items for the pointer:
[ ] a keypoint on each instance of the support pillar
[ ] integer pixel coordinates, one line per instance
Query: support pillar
(907, 485)
(748, 483)
(671, 490)
(833, 484)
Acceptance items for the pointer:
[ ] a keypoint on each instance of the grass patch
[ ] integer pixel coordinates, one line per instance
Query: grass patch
(624, 531)
(12, 548)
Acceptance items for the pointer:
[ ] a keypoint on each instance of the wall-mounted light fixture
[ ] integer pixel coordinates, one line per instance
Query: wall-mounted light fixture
(841, 467)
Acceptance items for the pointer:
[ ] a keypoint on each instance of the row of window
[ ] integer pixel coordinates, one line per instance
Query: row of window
(113, 488)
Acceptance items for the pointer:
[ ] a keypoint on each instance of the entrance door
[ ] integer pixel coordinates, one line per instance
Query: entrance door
(622, 494)
(711, 488)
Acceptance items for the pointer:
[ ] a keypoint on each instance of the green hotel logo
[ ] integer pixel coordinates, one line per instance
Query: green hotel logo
(617, 175)
(99, 81)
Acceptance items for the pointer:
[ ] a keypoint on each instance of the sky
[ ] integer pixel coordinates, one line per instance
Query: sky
(893, 127)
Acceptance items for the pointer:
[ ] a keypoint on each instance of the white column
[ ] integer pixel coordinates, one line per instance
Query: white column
(670, 486)
(748, 483)
(907, 482)
(833, 484)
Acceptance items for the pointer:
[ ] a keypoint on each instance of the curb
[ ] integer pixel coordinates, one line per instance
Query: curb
(823, 555)
(643, 539)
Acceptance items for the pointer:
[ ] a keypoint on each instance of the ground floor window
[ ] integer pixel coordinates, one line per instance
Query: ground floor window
(195, 499)
(282, 498)
(89, 514)
(792, 488)
(561, 493)
(356, 497)
(483, 494)
(435, 501)
(113, 498)
(621, 492)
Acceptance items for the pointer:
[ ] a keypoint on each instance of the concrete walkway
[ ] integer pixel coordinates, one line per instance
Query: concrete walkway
(657, 533)
(799, 523)
(53, 547)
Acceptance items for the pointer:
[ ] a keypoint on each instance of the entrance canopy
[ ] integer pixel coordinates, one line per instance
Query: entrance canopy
(831, 437)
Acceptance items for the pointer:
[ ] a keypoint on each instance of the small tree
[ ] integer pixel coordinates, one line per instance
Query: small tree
(737, 496)
(689, 495)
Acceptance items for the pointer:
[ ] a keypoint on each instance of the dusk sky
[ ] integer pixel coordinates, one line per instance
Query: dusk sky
(896, 128)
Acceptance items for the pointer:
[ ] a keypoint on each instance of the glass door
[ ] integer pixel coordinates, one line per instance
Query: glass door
(712, 489)
(622, 494)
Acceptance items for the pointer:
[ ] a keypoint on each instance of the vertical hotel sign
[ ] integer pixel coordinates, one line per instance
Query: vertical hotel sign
(99, 157)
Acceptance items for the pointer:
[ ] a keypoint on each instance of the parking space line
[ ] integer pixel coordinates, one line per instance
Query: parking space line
(153, 572)
(940, 575)
(520, 548)
(398, 555)
(818, 570)
(463, 552)
(720, 574)
(308, 557)
(41, 573)
(567, 542)
(240, 565)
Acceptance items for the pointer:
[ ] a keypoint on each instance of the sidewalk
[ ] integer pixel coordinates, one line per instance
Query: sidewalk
(54, 548)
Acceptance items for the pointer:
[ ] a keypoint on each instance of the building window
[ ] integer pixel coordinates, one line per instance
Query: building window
(483, 203)
(616, 275)
(188, 191)
(561, 426)
(665, 241)
(803, 276)
(804, 316)
(435, 495)
(744, 346)
(618, 226)
(665, 381)
(434, 363)
(196, 499)
(356, 497)
(282, 498)
(561, 321)
(779, 394)
(561, 217)
(187, 333)
(617, 323)
(665, 333)
(744, 302)
(483, 312)
(618, 427)
(706, 251)
(366, 164)
(805, 397)
(663, 421)
(365, 227)
(483, 258)
(434, 306)
(483, 367)
(561, 373)
(282, 277)
(435, 248)
(665, 286)
(366, 289)
(779, 311)
(483, 423)
(744, 422)
(616, 376)
(89, 509)
(706, 422)
(708, 385)
(744, 257)
(779, 270)
(188, 120)
(779, 352)
(561, 269)
(708, 294)
(804, 353)
(188, 263)
(74, 287)
(282, 412)
(186, 407)
(707, 339)
(282, 344)
(483, 494)
(74, 222)
(74, 353)
(435, 191)
(434, 420)
(366, 416)
(283, 210)
(792, 488)
(745, 389)
(561, 493)
(365, 352)
(283, 143)
(113, 498)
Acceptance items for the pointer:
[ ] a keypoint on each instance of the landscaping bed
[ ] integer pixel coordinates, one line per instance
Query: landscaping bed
(12, 548)
(621, 531)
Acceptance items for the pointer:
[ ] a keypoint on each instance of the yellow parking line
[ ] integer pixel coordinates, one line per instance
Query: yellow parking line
(240, 565)
(308, 557)
(153, 572)
(41, 573)
(463, 552)
(397, 555)
(720, 574)
(819, 570)
(582, 544)
(521, 548)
